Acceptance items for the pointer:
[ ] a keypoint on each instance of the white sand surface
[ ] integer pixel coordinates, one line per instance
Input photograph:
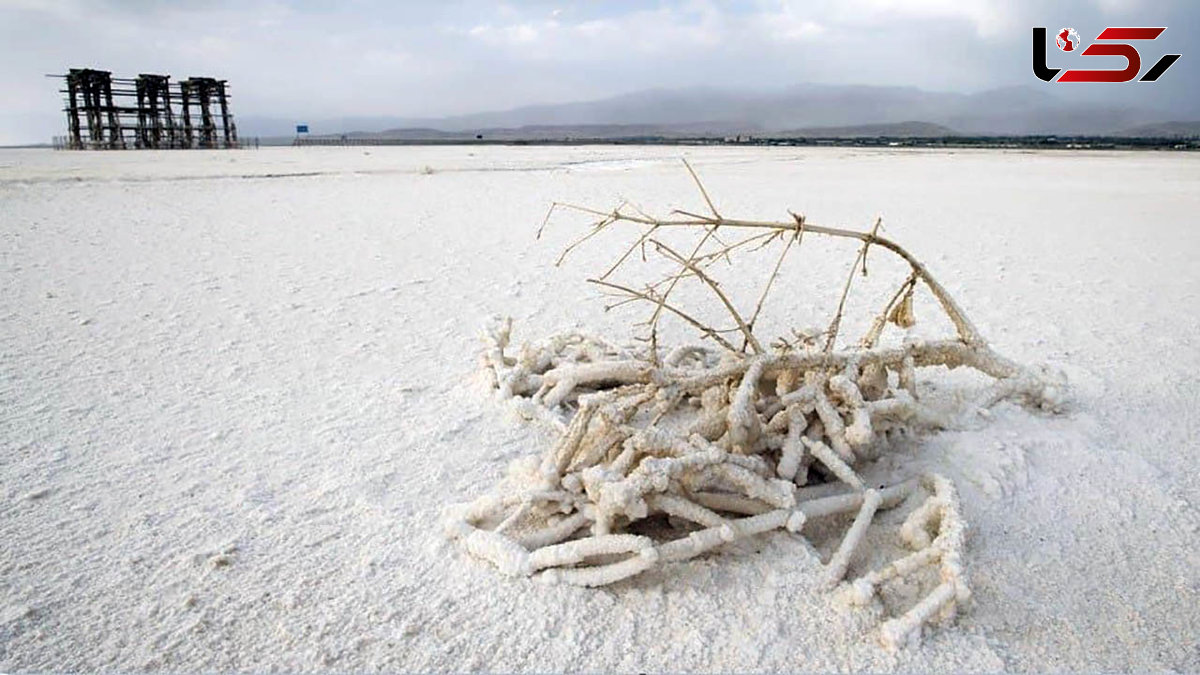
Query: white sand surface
(237, 389)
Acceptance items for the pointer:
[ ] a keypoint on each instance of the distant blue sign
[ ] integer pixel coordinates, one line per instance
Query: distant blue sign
(302, 128)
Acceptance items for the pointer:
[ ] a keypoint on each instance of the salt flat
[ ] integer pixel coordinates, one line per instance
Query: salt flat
(237, 389)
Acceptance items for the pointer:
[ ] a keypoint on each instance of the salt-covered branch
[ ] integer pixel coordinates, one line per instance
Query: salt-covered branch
(663, 455)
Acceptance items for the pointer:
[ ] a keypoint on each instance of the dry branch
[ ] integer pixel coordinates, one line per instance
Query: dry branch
(717, 444)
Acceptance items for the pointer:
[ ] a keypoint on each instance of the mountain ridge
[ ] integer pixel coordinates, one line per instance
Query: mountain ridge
(1019, 110)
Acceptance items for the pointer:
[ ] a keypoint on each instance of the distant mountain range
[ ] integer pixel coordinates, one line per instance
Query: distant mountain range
(1164, 130)
(802, 110)
(891, 130)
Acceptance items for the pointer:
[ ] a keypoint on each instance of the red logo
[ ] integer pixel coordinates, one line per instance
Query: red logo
(1068, 41)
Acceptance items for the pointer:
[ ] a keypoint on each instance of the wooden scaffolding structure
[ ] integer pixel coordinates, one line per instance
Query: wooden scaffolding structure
(146, 112)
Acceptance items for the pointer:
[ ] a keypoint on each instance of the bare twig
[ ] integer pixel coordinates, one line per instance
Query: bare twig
(881, 319)
(867, 245)
(703, 192)
(658, 311)
(765, 239)
(658, 300)
(832, 332)
(596, 229)
(546, 220)
(963, 326)
(750, 339)
(794, 239)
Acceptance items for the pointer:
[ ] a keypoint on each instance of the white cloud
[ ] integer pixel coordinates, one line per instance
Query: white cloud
(513, 34)
(989, 18)
(408, 58)
(784, 23)
(1119, 6)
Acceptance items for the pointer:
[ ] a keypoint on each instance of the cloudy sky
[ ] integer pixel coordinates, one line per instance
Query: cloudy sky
(307, 59)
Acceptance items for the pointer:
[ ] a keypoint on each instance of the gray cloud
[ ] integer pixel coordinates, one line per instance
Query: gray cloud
(418, 59)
